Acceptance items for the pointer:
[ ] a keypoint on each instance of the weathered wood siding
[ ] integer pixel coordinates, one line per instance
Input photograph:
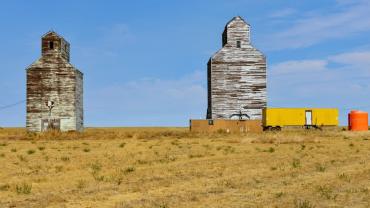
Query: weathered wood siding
(236, 75)
(79, 101)
(53, 78)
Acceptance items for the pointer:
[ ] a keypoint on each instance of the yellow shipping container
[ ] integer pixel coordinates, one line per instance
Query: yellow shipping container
(276, 118)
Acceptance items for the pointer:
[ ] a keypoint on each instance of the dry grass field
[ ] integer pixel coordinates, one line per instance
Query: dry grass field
(170, 167)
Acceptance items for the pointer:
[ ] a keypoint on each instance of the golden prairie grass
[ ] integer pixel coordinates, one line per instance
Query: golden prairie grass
(171, 167)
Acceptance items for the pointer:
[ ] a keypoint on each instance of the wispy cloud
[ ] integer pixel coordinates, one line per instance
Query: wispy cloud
(283, 13)
(299, 66)
(348, 2)
(339, 80)
(140, 102)
(357, 62)
(110, 40)
(117, 34)
(356, 59)
(315, 28)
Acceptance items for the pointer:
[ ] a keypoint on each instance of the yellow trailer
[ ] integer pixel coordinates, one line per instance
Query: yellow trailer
(277, 118)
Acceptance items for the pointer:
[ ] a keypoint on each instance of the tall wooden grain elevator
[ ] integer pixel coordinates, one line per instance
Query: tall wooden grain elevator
(236, 75)
(54, 89)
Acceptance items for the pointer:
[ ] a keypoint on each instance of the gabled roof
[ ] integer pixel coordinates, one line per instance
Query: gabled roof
(52, 32)
(235, 19)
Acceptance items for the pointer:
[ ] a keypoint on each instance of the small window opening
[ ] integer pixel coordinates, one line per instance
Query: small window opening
(238, 44)
(51, 45)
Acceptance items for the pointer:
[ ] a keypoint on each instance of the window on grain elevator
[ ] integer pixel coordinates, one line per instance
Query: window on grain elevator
(51, 45)
(238, 44)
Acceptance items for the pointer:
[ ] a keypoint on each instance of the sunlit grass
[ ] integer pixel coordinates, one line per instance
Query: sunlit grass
(172, 167)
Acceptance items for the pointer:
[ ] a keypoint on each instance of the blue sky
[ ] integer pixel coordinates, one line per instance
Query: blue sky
(144, 62)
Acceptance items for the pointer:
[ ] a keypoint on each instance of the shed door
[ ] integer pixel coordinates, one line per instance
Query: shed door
(52, 124)
(308, 118)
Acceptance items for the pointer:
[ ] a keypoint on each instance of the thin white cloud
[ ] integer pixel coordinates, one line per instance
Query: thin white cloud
(315, 28)
(299, 66)
(348, 2)
(171, 101)
(283, 13)
(353, 58)
(339, 80)
(356, 60)
(117, 34)
(110, 39)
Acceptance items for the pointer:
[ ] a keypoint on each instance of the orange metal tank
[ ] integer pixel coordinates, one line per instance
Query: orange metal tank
(358, 121)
